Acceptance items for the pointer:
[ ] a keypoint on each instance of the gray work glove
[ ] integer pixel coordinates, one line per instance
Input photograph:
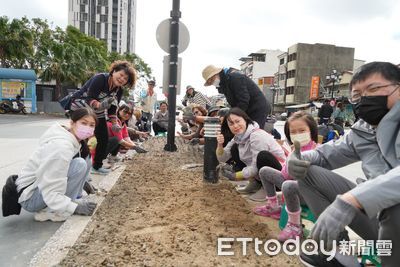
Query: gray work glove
(229, 173)
(85, 207)
(297, 167)
(116, 128)
(138, 149)
(194, 141)
(332, 221)
(106, 103)
(189, 117)
(89, 188)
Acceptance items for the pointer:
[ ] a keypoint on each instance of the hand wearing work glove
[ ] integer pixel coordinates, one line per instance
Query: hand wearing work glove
(297, 167)
(89, 188)
(332, 221)
(229, 173)
(116, 128)
(194, 141)
(85, 208)
(189, 117)
(106, 103)
(138, 149)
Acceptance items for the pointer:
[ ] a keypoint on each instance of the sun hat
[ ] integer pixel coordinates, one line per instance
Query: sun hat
(210, 71)
(189, 87)
(213, 109)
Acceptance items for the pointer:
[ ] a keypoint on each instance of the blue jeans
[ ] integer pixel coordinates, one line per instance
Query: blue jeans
(78, 174)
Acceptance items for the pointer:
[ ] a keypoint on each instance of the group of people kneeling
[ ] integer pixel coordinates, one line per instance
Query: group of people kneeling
(304, 174)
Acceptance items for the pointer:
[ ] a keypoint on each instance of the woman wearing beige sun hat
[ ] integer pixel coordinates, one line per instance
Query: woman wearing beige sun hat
(240, 91)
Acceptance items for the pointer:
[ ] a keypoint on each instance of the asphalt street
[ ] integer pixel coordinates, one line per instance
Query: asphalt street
(21, 236)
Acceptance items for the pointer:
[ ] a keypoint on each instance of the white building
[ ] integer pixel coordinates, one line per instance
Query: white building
(112, 21)
(263, 63)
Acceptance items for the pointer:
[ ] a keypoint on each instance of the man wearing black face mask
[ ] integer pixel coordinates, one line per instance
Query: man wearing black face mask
(371, 209)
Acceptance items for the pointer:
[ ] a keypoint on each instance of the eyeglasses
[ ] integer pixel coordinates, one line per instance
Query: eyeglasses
(127, 112)
(355, 96)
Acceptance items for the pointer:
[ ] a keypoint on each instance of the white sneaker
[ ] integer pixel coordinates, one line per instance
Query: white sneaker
(46, 215)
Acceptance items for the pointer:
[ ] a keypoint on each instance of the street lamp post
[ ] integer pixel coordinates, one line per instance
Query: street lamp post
(274, 87)
(333, 77)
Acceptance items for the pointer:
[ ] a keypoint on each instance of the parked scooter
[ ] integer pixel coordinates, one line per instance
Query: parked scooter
(7, 106)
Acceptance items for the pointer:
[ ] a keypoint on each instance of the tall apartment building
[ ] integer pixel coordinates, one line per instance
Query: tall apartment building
(112, 21)
(301, 62)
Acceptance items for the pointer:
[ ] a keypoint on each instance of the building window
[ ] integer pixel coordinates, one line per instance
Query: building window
(82, 8)
(291, 74)
(282, 77)
(292, 57)
(84, 2)
(84, 17)
(98, 9)
(98, 30)
(282, 61)
(103, 18)
(82, 26)
(290, 90)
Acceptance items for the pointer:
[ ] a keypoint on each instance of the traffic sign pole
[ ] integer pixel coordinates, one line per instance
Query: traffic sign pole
(173, 74)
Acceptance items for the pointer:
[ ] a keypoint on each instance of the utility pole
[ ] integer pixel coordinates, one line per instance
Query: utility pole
(173, 74)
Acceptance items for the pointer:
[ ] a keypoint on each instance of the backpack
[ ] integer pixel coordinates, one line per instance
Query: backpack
(10, 196)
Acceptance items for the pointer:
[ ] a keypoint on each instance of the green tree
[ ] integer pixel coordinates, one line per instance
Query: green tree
(16, 42)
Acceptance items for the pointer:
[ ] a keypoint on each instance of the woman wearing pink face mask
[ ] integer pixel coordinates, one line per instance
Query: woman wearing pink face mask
(53, 178)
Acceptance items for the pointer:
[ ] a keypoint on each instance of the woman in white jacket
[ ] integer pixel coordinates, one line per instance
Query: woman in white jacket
(251, 140)
(51, 181)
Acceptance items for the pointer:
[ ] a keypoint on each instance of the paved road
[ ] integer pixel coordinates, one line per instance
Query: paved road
(21, 236)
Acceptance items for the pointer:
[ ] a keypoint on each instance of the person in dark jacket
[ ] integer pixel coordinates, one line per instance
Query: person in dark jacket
(325, 112)
(240, 91)
(104, 92)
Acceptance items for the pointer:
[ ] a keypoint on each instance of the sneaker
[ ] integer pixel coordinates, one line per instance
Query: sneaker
(259, 196)
(319, 260)
(100, 171)
(113, 159)
(252, 187)
(268, 211)
(291, 231)
(54, 216)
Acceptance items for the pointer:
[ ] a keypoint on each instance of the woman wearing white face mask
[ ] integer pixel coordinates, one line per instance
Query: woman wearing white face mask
(300, 127)
(51, 181)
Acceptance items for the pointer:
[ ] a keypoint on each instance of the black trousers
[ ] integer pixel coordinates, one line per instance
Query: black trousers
(235, 161)
(266, 158)
(158, 129)
(113, 146)
(101, 134)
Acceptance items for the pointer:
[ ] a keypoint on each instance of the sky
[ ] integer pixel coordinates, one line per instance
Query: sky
(222, 31)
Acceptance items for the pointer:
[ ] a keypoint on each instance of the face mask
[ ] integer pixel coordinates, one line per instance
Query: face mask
(372, 108)
(83, 132)
(216, 82)
(303, 138)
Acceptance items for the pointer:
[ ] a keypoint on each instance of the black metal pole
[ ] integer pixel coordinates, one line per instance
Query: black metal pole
(333, 87)
(173, 74)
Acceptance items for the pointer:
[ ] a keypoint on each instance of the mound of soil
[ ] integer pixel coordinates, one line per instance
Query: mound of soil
(159, 214)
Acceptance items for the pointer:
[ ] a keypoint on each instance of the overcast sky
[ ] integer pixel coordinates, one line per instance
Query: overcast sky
(222, 31)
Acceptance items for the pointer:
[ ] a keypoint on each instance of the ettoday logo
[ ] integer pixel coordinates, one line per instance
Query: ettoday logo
(272, 247)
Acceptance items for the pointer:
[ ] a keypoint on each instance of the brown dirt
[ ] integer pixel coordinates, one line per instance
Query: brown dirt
(160, 215)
